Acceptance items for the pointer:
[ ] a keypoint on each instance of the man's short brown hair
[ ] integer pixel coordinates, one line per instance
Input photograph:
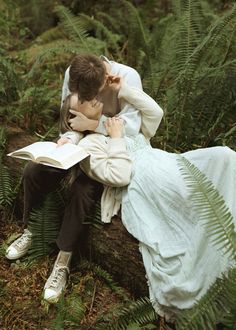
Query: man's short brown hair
(87, 75)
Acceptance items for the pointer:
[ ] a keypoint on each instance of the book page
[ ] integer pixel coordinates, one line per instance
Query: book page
(34, 150)
(63, 156)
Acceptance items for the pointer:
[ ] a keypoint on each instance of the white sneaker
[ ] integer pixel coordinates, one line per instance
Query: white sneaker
(20, 246)
(56, 283)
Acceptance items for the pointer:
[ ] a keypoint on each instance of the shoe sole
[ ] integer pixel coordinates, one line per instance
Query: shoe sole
(16, 258)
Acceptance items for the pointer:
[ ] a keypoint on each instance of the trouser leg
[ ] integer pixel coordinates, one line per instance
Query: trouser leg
(38, 180)
(84, 193)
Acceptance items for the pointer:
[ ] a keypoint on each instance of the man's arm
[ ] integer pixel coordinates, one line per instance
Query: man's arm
(130, 115)
(109, 162)
(150, 111)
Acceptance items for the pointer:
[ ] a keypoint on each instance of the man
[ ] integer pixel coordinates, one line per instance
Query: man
(88, 76)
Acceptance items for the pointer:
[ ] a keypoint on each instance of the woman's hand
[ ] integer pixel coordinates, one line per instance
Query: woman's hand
(86, 115)
(114, 127)
(63, 140)
(91, 109)
(82, 123)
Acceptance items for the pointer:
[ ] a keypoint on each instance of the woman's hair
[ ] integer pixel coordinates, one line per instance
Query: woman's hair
(87, 75)
(65, 115)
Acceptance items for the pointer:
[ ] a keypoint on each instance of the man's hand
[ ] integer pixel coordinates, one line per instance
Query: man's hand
(81, 123)
(91, 109)
(63, 140)
(114, 82)
(115, 127)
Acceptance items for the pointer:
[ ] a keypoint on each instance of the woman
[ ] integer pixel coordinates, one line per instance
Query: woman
(180, 260)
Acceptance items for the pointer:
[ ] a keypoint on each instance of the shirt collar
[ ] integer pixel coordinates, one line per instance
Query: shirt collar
(104, 58)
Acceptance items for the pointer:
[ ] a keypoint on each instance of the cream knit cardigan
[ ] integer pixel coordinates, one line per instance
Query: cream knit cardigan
(109, 161)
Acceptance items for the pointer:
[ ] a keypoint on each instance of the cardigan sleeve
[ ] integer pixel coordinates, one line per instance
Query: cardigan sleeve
(109, 162)
(151, 112)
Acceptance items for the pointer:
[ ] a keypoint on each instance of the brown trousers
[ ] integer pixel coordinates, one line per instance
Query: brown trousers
(84, 192)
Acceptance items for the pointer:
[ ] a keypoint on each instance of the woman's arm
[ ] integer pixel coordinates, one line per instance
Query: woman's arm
(109, 162)
(151, 112)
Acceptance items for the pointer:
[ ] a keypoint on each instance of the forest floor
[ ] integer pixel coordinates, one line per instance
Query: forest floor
(22, 305)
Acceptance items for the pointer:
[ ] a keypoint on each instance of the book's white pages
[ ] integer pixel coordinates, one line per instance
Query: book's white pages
(49, 153)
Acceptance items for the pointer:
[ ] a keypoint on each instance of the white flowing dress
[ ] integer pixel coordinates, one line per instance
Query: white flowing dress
(180, 261)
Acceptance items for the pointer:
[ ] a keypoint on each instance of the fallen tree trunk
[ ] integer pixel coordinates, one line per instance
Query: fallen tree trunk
(117, 251)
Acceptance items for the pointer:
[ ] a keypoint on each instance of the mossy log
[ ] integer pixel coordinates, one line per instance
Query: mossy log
(118, 252)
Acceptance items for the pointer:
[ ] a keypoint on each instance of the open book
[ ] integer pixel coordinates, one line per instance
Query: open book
(49, 153)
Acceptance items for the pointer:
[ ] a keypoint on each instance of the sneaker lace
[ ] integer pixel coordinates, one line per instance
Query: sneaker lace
(58, 276)
(24, 239)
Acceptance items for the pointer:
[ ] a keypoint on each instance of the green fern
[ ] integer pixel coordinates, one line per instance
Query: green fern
(9, 80)
(70, 312)
(73, 26)
(95, 217)
(138, 40)
(194, 83)
(213, 308)
(44, 224)
(210, 207)
(7, 193)
(138, 313)
(219, 302)
(101, 31)
(77, 40)
(3, 140)
(97, 270)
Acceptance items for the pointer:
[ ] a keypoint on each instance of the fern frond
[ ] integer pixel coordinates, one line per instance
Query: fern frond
(3, 139)
(213, 38)
(188, 30)
(7, 193)
(44, 224)
(99, 271)
(212, 308)
(229, 319)
(139, 312)
(101, 31)
(9, 81)
(73, 26)
(70, 312)
(210, 207)
(95, 217)
(47, 53)
(138, 39)
(50, 35)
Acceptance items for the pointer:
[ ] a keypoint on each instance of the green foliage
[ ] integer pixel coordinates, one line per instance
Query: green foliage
(186, 58)
(138, 315)
(3, 140)
(12, 31)
(103, 274)
(7, 193)
(210, 207)
(218, 304)
(9, 81)
(70, 312)
(35, 107)
(95, 217)
(44, 224)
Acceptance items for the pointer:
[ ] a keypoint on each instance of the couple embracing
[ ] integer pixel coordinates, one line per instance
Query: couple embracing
(105, 110)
